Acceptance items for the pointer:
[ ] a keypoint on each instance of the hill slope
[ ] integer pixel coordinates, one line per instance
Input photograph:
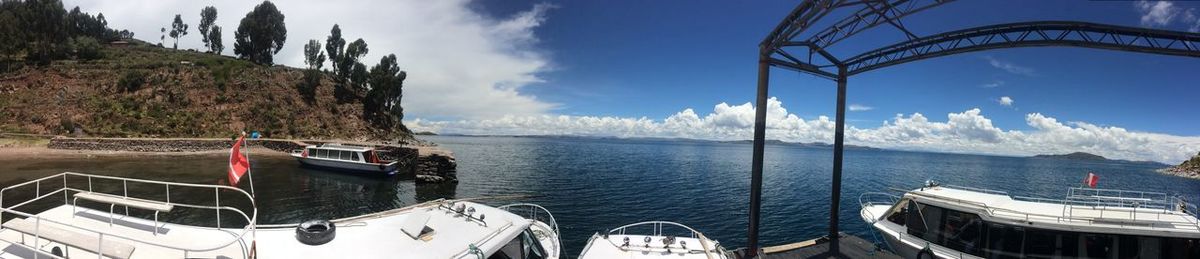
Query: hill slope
(140, 90)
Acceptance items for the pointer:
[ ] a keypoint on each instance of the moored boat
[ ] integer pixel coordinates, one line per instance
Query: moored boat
(98, 217)
(943, 221)
(652, 239)
(346, 158)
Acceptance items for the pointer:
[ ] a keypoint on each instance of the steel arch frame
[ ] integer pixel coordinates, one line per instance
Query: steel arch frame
(781, 45)
(1029, 34)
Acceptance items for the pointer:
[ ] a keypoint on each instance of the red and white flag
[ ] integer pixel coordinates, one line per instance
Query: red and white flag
(1091, 180)
(238, 164)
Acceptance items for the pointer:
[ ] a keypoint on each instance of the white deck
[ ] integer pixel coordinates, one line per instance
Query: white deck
(369, 236)
(1092, 219)
(600, 248)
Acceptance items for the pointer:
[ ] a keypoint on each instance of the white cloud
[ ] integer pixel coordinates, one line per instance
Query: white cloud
(1005, 100)
(1165, 13)
(1010, 67)
(964, 132)
(859, 107)
(460, 63)
(993, 84)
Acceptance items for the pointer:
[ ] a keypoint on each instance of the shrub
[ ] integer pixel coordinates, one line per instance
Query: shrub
(131, 81)
(86, 48)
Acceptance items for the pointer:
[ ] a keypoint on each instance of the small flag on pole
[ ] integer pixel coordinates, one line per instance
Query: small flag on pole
(1091, 180)
(238, 164)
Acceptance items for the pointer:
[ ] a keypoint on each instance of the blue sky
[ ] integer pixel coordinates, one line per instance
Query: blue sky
(651, 58)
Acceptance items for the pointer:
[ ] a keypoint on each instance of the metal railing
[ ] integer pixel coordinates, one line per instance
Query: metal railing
(657, 230)
(250, 219)
(875, 198)
(537, 213)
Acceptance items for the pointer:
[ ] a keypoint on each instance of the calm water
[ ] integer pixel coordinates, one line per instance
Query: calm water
(594, 184)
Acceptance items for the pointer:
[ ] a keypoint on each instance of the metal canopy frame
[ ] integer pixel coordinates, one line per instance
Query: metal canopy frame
(787, 44)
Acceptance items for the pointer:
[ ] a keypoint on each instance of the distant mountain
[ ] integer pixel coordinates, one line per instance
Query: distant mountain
(801, 144)
(1092, 157)
(1074, 156)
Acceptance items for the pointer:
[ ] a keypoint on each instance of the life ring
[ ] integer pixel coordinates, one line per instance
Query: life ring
(926, 252)
(315, 232)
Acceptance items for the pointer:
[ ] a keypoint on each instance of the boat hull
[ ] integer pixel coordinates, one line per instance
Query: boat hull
(350, 167)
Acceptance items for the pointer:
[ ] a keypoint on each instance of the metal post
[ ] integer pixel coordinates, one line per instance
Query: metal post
(839, 133)
(756, 162)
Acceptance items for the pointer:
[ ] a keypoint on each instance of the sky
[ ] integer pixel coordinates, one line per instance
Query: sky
(675, 68)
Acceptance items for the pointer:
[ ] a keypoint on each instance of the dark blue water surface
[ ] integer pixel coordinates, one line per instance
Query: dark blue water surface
(595, 184)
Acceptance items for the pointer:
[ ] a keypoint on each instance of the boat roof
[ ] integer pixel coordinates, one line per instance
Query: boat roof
(1067, 215)
(342, 147)
(448, 234)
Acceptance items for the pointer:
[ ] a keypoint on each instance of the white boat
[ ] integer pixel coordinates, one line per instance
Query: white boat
(354, 159)
(111, 223)
(943, 221)
(652, 239)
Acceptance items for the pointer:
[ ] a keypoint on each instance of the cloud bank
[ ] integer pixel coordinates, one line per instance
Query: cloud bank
(460, 63)
(964, 132)
(1165, 14)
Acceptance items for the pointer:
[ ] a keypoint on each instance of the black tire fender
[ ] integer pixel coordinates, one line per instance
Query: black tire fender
(315, 232)
(925, 253)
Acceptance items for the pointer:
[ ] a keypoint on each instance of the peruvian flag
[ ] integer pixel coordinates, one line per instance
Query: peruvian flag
(1091, 180)
(238, 164)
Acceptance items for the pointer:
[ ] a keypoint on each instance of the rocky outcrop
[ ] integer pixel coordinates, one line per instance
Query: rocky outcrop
(1189, 168)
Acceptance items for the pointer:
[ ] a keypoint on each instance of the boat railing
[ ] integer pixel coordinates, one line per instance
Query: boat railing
(537, 213)
(67, 178)
(867, 199)
(657, 230)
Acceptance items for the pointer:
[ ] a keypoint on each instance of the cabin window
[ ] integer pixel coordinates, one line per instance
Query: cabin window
(1139, 247)
(1181, 248)
(533, 248)
(916, 225)
(899, 215)
(321, 153)
(1004, 241)
(354, 156)
(312, 152)
(344, 155)
(962, 231)
(1097, 246)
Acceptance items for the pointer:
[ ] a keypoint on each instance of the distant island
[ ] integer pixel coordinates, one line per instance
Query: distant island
(1083, 156)
(1189, 168)
(801, 144)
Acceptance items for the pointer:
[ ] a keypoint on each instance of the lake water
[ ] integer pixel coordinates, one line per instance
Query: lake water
(594, 184)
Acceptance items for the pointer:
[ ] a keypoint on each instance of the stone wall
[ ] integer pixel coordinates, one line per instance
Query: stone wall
(427, 164)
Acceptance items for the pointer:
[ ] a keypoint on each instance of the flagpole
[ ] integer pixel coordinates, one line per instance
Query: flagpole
(249, 174)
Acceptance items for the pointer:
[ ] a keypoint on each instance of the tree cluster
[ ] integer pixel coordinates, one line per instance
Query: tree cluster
(42, 30)
(380, 87)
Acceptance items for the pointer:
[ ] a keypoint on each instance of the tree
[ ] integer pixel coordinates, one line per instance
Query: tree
(261, 34)
(208, 15)
(313, 55)
(334, 46)
(381, 106)
(349, 59)
(178, 29)
(12, 29)
(214, 40)
(163, 37)
(45, 21)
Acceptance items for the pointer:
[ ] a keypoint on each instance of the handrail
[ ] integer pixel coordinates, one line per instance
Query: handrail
(892, 200)
(533, 212)
(250, 219)
(658, 227)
